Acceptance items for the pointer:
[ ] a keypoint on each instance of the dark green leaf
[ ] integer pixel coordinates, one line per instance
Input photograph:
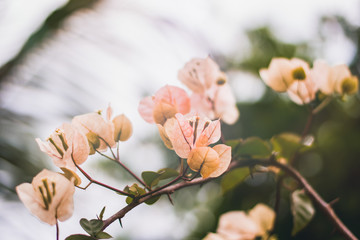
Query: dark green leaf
(128, 200)
(79, 237)
(234, 178)
(102, 213)
(103, 235)
(166, 173)
(91, 227)
(150, 178)
(152, 200)
(234, 144)
(302, 210)
(254, 147)
(286, 144)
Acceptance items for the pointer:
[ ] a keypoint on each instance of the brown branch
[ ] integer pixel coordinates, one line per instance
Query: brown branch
(322, 205)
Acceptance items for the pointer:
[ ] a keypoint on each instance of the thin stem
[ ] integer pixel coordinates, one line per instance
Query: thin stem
(308, 124)
(57, 230)
(322, 105)
(133, 174)
(323, 206)
(107, 144)
(106, 156)
(277, 203)
(100, 183)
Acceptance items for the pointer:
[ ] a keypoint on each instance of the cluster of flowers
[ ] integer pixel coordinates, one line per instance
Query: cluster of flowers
(237, 225)
(185, 123)
(295, 77)
(50, 195)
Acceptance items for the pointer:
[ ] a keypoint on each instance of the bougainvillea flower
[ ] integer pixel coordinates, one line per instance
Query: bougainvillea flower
(190, 139)
(65, 145)
(166, 102)
(99, 131)
(241, 226)
(122, 128)
(336, 79)
(303, 89)
(282, 72)
(49, 196)
(212, 95)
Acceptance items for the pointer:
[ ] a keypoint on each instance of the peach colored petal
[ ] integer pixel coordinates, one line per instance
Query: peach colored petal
(60, 191)
(80, 147)
(174, 96)
(163, 111)
(224, 153)
(210, 134)
(263, 216)
(93, 122)
(278, 74)
(204, 159)
(146, 108)
(179, 141)
(225, 105)
(199, 74)
(201, 104)
(320, 74)
(164, 136)
(122, 128)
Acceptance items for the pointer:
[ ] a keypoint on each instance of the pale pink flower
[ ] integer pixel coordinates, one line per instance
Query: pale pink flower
(190, 139)
(282, 72)
(166, 102)
(212, 95)
(49, 196)
(97, 129)
(303, 89)
(336, 79)
(237, 225)
(65, 145)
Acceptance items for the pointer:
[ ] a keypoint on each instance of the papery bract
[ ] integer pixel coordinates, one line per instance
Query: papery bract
(65, 145)
(336, 79)
(241, 226)
(49, 196)
(190, 138)
(94, 125)
(166, 102)
(212, 95)
(122, 128)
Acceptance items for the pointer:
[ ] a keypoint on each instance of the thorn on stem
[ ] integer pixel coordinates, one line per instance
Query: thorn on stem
(170, 199)
(120, 222)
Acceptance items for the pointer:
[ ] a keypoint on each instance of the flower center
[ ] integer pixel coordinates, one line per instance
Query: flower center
(47, 194)
(348, 85)
(299, 74)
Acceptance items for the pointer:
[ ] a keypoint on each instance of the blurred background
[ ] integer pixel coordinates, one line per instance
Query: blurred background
(62, 58)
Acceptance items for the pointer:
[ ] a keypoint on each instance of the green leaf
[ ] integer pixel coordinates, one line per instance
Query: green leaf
(79, 237)
(254, 147)
(302, 210)
(166, 173)
(286, 144)
(234, 178)
(103, 235)
(152, 200)
(102, 213)
(91, 227)
(234, 144)
(128, 200)
(150, 178)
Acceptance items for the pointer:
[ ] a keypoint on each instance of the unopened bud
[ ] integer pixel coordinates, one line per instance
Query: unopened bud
(203, 159)
(123, 128)
(94, 141)
(163, 111)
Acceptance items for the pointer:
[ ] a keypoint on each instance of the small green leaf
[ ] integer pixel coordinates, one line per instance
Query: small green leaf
(254, 147)
(150, 178)
(102, 213)
(234, 178)
(152, 200)
(128, 200)
(302, 210)
(286, 144)
(79, 237)
(166, 173)
(91, 227)
(103, 235)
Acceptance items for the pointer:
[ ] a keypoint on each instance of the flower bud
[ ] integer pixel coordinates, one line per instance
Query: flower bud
(123, 128)
(163, 111)
(203, 159)
(94, 141)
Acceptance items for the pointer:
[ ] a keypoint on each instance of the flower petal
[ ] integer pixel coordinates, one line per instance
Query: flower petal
(204, 159)
(263, 216)
(210, 134)
(224, 153)
(180, 134)
(146, 108)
